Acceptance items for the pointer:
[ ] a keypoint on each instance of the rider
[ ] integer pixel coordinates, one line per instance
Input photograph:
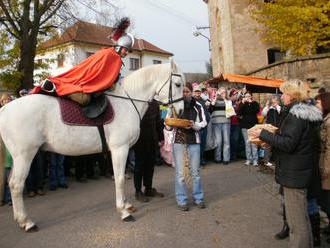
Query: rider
(94, 74)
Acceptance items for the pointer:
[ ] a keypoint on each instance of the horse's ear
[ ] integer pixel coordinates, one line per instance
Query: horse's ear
(174, 66)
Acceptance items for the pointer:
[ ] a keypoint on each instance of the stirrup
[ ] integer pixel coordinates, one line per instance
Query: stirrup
(46, 83)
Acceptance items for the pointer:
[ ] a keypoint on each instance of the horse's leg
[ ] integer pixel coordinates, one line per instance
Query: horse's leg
(119, 157)
(20, 171)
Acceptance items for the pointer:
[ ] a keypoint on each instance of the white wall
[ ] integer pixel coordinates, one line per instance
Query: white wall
(147, 59)
(51, 57)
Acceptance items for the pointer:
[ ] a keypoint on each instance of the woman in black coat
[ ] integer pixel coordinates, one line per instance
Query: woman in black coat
(247, 112)
(297, 153)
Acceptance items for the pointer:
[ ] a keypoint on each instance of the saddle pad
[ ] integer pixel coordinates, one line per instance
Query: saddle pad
(71, 113)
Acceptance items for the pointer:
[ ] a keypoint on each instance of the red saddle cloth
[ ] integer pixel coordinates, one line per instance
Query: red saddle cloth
(71, 113)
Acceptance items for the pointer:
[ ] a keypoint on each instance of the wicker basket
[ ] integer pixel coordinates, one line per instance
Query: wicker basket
(175, 122)
(257, 141)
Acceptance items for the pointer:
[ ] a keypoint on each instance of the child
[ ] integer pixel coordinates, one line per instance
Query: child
(6, 98)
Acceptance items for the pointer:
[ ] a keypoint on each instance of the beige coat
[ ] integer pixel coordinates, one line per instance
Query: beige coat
(325, 153)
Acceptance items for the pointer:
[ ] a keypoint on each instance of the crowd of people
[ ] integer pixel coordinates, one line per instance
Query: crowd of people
(218, 133)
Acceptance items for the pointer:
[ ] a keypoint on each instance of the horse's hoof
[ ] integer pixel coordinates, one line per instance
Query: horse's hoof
(32, 229)
(131, 209)
(129, 218)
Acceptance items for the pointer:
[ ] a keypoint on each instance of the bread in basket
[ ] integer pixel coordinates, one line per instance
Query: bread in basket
(257, 141)
(176, 122)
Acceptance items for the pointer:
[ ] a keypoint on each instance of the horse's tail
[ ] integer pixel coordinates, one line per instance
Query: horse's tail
(2, 168)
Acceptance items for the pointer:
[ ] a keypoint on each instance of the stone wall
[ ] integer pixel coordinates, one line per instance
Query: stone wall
(236, 46)
(216, 51)
(250, 51)
(313, 69)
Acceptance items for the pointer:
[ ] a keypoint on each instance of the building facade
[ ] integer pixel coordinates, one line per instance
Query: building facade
(236, 46)
(84, 39)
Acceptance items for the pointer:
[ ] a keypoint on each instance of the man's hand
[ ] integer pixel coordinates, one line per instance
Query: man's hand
(256, 132)
(191, 124)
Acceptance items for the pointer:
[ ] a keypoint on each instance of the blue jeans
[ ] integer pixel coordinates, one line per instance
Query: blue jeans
(234, 141)
(251, 150)
(222, 139)
(7, 195)
(56, 170)
(180, 186)
(312, 206)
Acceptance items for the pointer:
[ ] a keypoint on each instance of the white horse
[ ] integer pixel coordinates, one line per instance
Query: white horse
(33, 122)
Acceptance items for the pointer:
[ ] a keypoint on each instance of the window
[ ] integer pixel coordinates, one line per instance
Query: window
(156, 62)
(274, 55)
(134, 64)
(323, 49)
(88, 54)
(60, 60)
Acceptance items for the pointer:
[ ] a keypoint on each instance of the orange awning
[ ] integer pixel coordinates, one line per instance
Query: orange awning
(236, 78)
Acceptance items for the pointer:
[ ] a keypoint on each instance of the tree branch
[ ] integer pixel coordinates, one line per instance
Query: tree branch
(12, 11)
(53, 12)
(8, 29)
(8, 17)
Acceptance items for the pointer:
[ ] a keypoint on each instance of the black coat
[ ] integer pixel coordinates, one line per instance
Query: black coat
(296, 146)
(273, 117)
(248, 114)
(150, 128)
(206, 110)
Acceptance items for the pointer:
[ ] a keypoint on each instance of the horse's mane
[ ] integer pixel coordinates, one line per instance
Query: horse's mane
(138, 79)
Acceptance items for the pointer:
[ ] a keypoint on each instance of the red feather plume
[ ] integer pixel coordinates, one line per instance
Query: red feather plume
(120, 28)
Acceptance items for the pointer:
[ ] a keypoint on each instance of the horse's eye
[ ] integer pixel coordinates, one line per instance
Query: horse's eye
(177, 85)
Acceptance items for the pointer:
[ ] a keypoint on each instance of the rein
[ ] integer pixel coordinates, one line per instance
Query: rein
(133, 100)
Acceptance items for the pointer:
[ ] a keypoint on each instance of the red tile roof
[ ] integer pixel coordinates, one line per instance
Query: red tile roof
(236, 78)
(91, 33)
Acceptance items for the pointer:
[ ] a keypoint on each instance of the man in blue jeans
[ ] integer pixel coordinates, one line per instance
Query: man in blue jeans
(221, 126)
(188, 138)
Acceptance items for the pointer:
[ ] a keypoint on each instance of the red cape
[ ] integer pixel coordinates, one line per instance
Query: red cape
(96, 73)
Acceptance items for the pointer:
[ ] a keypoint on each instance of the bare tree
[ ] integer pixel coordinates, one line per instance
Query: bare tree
(28, 20)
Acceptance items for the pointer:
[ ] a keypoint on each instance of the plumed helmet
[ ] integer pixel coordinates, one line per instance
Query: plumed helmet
(119, 35)
(127, 41)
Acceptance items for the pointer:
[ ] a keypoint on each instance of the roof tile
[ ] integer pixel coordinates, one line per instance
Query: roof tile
(91, 33)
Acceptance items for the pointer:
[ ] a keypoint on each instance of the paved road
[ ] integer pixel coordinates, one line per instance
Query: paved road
(242, 211)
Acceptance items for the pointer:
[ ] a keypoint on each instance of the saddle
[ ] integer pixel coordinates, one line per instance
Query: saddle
(97, 113)
(96, 106)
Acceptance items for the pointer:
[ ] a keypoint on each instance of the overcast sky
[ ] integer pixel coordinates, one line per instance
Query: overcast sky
(169, 24)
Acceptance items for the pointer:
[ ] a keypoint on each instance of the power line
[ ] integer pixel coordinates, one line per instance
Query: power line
(191, 61)
(171, 11)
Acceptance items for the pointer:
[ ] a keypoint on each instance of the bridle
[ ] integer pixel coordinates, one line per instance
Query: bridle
(170, 95)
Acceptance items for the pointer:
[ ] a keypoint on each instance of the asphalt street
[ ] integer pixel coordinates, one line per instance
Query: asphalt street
(243, 210)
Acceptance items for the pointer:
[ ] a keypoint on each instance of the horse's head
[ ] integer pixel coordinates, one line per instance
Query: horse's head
(172, 89)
